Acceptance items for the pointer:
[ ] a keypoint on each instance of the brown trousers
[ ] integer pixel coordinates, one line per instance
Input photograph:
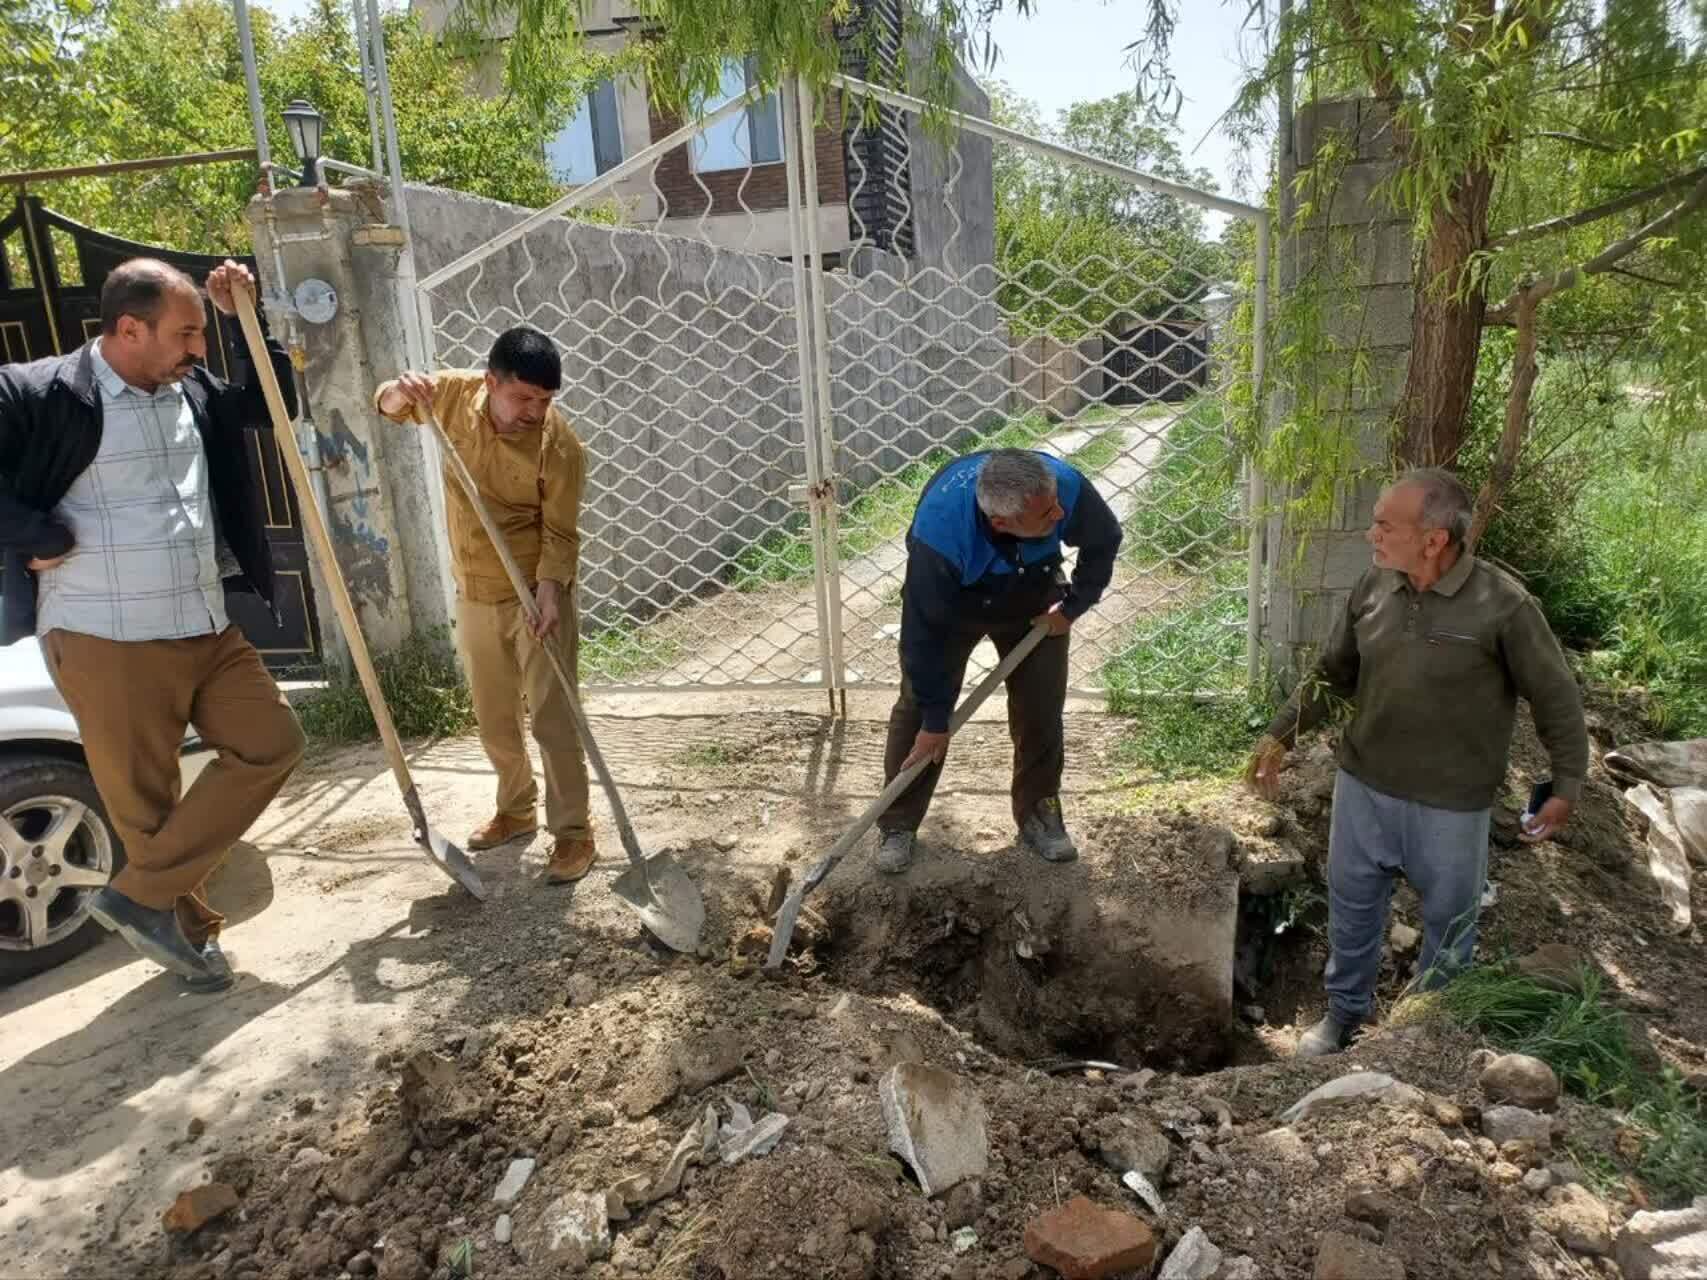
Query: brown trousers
(508, 670)
(1037, 696)
(133, 701)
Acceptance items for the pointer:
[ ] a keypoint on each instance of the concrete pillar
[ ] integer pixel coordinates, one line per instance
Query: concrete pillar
(388, 545)
(1349, 258)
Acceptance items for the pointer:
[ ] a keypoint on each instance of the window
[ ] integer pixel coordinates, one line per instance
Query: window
(754, 136)
(591, 143)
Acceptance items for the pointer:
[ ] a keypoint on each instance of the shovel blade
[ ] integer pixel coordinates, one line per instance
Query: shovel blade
(453, 862)
(658, 891)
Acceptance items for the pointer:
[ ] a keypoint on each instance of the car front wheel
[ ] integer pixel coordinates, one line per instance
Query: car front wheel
(56, 849)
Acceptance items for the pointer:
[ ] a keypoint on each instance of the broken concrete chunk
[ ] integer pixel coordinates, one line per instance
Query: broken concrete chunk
(504, 1229)
(1194, 1258)
(709, 1059)
(1665, 1246)
(195, 1208)
(1126, 1143)
(1579, 1221)
(1358, 1086)
(937, 1124)
(1522, 1081)
(1083, 1241)
(1145, 1190)
(515, 1178)
(572, 1232)
(1501, 1125)
(756, 1140)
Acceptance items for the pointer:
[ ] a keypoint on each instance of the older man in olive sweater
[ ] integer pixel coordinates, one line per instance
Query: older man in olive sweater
(1434, 649)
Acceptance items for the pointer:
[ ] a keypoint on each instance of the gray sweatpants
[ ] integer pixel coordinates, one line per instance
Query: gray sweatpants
(1374, 839)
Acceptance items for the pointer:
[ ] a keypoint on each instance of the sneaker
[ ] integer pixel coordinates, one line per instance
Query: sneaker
(501, 830)
(154, 935)
(1046, 834)
(218, 976)
(1327, 1037)
(571, 858)
(895, 853)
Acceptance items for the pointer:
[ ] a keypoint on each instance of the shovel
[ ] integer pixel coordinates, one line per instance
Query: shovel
(786, 917)
(655, 888)
(446, 856)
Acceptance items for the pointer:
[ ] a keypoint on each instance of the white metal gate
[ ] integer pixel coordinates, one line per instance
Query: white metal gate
(766, 355)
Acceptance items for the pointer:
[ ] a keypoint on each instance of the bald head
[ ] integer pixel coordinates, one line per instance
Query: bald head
(141, 288)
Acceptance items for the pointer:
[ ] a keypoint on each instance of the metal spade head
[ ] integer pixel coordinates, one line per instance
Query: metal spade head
(660, 893)
(446, 856)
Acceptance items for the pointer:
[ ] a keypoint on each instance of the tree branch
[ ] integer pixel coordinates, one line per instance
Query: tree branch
(1583, 217)
(1579, 140)
(1654, 280)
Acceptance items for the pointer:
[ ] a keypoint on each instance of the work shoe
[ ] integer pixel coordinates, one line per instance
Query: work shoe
(1327, 1037)
(501, 830)
(895, 852)
(155, 935)
(1046, 834)
(218, 976)
(571, 858)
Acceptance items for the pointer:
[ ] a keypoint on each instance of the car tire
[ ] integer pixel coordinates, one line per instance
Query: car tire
(31, 789)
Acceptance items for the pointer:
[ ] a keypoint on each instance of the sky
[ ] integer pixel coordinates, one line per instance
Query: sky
(1073, 51)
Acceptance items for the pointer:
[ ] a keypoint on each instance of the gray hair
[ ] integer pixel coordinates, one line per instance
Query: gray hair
(1446, 502)
(1009, 478)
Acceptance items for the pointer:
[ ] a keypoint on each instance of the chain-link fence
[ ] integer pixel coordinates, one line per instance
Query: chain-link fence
(770, 346)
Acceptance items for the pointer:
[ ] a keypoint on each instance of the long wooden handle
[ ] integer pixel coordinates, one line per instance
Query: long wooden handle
(905, 778)
(315, 526)
(595, 757)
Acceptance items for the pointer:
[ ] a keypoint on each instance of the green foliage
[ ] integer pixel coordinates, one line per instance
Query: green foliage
(1190, 511)
(623, 650)
(422, 684)
(1589, 1045)
(160, 79)
(1198, 643)
(1078, 249)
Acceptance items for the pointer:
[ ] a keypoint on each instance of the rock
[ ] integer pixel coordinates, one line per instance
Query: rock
(195, 1128)
(709, 1059)
(937, 1124)
(1405, 1176)
(571, 1233)
(1577, 1220)
(1343, 1257)
(1403, 939)
(1264, 873)
(1126, 1143)
(1501, 1125)
(1241, 1268)
(963, 1205)
(1083, 1241)
(384, 1151)
(964, 1240)
(440, 1099)
(580, 991)
(598, 1115)
(515, 1178)
(503, 1229)
(755, 1140)
(195, 1208)
(1193, 1258)
(360, 1264)
(1286, 1146)
(1358, 1086)
(306, 1160)
(1537, 1181)
(402, 1259)
(1565, 1173)
(1522, 1081)
(1664, 1246)
(1556, 967)
(1371, 1206)
(1505, 1174)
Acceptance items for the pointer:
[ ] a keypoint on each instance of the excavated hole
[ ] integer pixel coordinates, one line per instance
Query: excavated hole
(1039, 974)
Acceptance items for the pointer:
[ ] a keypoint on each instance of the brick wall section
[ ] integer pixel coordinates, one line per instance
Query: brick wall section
(762, 187)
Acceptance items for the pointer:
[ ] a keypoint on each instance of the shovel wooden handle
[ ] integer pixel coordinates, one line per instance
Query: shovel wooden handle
(315, 526)
(595, 757)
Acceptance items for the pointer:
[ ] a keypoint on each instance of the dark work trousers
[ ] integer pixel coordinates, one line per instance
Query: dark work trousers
(1037, 693)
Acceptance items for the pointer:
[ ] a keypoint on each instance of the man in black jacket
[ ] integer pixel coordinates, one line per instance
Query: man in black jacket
(125, 508)
(984, 559)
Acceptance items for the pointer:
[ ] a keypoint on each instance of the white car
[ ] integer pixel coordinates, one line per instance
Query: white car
(56, 845)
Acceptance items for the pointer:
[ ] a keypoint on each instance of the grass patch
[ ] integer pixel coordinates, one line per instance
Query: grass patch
(1099, 452)
(707, 755)
(624, 650)
(422, 684)
(1588, 1044)
(1189, 511)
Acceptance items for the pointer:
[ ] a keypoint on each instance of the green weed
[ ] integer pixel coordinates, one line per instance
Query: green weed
(423, 687)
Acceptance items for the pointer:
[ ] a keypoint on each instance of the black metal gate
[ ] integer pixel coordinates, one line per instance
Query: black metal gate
(51, 272)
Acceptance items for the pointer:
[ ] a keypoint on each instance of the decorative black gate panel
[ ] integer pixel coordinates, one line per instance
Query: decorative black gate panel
(51, 272)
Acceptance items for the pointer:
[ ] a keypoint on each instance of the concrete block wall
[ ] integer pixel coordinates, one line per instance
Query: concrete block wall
(1352, 250)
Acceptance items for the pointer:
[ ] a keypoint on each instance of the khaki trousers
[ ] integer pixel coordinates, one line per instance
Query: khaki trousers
(133, 701)
(508, 670)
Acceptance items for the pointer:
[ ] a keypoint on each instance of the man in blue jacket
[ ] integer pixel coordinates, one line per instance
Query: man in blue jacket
(984, 559)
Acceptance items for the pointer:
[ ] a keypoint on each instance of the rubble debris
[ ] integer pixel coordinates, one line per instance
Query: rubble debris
(937, 1124)
(1083, 1241)
(195, 1208)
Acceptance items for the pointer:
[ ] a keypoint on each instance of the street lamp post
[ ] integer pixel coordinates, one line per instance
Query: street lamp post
(304, 125)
